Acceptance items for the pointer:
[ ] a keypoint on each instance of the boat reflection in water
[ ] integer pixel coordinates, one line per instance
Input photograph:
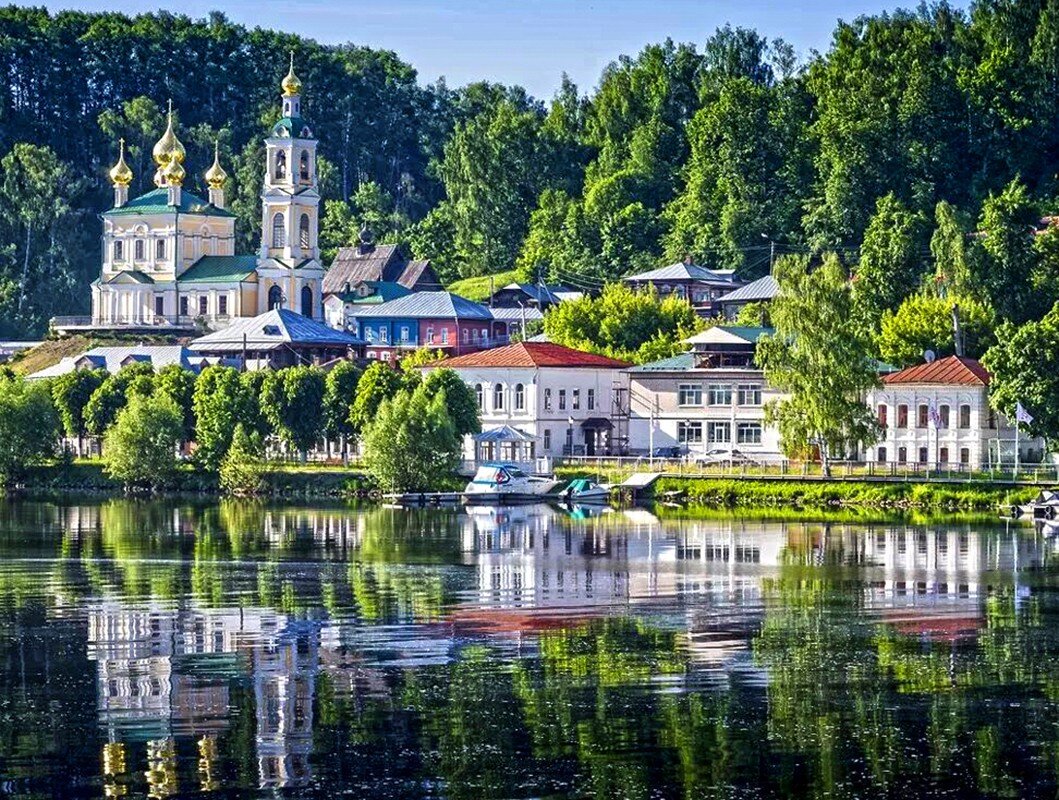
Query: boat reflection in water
(243, 647)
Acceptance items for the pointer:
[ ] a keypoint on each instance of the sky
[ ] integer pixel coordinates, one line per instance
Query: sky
(528, 42)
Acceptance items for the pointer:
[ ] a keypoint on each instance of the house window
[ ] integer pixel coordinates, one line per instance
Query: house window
(922, 415)
(444, 335)
(902, 455)
(965, 455)
(720, 394)
(430, 336)
(882, 413)
(279, 231)
(943, 455)
(547, 399)
(569, 440)
(275, 297)
(749, 394)
(159, 250)
(303, 166)
(749, 433)
(498, 397)
(965, 416)
(466, 336)
(719, 432)
(880, 455)
(159, 306)
(307, 302)
(562, 399)
(590, 398)
(943, 416)
(902, 416)
(384, 334)
(281, 166)
(689, 433)
(576, 399)
(303, 232)
(479, 393)
(138, 249)
(183, 306)
(547, 440)
(222, 304)
(119, 251)
(204, 304)
(923, 455)
(690, 394)
(404, 334)
(520, 397)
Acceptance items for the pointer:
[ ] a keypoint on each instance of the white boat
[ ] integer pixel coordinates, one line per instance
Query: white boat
(583, 490)
(506, 482)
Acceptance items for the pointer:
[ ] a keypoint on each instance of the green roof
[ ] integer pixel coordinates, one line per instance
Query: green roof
(294, 125)
(156, 201)
(382, 292)
(750, 334)
(219, 269)
(684, 361)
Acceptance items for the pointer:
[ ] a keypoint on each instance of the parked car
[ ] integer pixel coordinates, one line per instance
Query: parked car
(723, 455)
(674, 451)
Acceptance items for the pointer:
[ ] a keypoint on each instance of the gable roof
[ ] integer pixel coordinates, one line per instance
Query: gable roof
(219, 269)
(112, 358)
(517, 314)
(381, 292)
(951, 371)
(541, 294)
(684, 272)
(383, 262)
(534, 354)
(728, 334)
(272, 330)
(156, 201)
(129, 276)
(427, 305)
(762, 289)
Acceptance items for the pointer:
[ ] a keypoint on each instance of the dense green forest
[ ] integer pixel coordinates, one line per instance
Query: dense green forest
(697, 149)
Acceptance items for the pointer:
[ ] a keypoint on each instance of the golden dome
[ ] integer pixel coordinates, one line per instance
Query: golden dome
(174, 173)
(290, 84)
(169, 146)
(120, 174)
(215, 176)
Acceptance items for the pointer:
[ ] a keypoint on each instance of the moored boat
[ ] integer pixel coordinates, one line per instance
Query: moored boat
(507, 482)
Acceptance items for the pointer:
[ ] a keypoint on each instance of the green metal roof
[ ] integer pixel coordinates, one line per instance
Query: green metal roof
(219, 269)
(295, 127)
(684, 361)
(382, 292)
(750, 334)
(156, 201)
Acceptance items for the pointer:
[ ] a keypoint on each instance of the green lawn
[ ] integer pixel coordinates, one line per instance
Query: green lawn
(477, 288)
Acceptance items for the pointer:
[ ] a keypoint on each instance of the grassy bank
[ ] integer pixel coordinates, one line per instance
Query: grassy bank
(729, 492)
(291, 482)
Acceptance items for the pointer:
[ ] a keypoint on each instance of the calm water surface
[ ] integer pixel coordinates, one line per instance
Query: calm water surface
(168, 650)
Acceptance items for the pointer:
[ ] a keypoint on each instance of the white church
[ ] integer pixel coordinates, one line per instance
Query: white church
(169, 260)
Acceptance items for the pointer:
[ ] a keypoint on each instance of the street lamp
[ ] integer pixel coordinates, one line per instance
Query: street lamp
(772, 250)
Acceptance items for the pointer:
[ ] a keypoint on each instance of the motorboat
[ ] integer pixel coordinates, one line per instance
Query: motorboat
(1044, 506)
(585, 490)
(507, 482)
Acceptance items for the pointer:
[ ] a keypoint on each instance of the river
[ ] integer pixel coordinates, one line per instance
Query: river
(154, 649)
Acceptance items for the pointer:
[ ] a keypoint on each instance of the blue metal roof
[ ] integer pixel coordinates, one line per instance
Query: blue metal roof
(762, 289)
(684, 361)
(273, 329)
(427, 305)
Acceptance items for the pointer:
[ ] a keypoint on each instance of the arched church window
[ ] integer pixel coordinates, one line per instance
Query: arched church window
(303, 232)
(307, 302)
(303, 167)
(275, 297)
(279, 231)
(119, 251)
(159, 249)
(281, 166)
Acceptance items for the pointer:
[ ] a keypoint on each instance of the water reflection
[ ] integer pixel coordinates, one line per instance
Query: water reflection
(151, 649)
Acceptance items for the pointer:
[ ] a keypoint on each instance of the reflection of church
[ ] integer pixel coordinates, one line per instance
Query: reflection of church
(169, 260)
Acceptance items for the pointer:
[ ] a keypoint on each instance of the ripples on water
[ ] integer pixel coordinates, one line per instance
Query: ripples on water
(161, 650)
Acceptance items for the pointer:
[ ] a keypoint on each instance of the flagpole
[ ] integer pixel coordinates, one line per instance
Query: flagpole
(1016, 449)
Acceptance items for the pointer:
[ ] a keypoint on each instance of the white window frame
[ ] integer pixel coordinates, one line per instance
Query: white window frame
(689, 394)
(716, 427)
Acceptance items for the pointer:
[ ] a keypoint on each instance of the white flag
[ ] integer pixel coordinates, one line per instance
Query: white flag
(1022, 415)
(935, 415)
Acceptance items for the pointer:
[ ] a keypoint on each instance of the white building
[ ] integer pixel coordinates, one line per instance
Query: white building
(561, 400)
(938, 415)
(709, 399)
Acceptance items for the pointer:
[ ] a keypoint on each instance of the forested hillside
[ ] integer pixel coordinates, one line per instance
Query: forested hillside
(701, 148)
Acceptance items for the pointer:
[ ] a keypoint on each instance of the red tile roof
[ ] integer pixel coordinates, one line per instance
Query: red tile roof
(533, 354)
(951, 371)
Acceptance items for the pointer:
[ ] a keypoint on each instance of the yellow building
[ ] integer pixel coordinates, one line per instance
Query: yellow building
(169, 260)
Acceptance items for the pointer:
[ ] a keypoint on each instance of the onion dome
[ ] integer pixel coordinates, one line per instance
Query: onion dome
(174, 173)
(120, 174)
(291, 85)
(169, 146)
(215, 176)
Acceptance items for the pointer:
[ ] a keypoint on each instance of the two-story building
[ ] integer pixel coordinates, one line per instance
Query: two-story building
(937, 415)
(763, 290)
(700, 286)
(340, 307)
(438, 320)
(708, 400)
(544, 399)
(531, 295)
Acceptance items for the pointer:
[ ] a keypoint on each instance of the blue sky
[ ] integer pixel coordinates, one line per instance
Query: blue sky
(530, 42)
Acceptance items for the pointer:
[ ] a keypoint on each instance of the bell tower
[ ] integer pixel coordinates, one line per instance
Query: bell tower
(290, 198)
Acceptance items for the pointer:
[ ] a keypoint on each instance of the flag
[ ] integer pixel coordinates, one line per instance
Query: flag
(935, 415)
(1022, 415)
